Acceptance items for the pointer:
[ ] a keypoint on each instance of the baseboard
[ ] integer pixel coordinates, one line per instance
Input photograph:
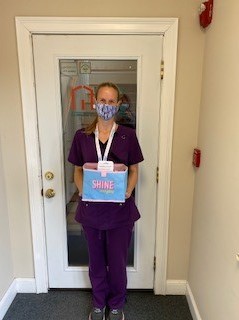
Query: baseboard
(7, 299)
(176, 287)
(20, 285)
(192, 304)
(25, 285)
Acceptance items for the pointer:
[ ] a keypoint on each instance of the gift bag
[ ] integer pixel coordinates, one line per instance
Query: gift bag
(104, 186)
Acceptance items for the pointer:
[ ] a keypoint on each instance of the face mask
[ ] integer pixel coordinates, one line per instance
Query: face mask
(106, 111)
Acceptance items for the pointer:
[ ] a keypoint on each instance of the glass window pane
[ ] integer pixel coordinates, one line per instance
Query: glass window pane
(79, 78)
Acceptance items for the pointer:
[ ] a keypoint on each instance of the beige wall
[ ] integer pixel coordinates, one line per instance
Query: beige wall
(214, 271)
(190, 56)
(6, 265)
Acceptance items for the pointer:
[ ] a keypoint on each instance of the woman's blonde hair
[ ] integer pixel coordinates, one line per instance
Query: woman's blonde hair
(91, 127)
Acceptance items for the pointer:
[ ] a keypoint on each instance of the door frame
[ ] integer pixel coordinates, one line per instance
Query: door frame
(25, 28)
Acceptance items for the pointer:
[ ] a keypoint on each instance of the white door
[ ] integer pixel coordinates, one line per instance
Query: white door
(64, 62)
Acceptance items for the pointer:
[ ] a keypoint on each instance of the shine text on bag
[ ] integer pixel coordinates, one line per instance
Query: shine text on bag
(104, 185)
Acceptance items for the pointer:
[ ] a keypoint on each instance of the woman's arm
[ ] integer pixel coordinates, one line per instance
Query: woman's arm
(132, 179)
(78, 178)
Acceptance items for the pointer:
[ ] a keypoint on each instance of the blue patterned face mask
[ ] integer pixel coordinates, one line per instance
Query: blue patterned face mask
(106, 111)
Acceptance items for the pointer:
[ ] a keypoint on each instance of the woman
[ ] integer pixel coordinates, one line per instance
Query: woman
(107, 226)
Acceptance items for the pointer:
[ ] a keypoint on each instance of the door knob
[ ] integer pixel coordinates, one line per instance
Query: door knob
(50, 193)
(49, 175)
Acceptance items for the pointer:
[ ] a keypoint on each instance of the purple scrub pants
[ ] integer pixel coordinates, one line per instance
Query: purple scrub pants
(108, 252)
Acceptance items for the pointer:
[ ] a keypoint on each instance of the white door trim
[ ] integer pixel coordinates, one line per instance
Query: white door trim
(25, 27)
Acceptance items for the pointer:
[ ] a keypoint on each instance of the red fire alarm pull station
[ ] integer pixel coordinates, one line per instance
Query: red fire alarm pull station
(205, 13)
(196, 157)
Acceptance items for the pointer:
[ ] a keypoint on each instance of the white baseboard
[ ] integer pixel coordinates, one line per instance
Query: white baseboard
(25, 285)
(18, 286)
(176, 287)
(192, 304)
(181, 287)
(7, 299)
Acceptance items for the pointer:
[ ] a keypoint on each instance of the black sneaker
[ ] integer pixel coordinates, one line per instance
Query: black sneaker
(97, 314)
(116, 314)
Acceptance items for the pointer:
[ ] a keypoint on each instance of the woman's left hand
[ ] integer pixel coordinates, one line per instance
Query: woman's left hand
(127, 194)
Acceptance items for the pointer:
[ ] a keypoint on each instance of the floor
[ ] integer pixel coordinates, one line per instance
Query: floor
(75, 305)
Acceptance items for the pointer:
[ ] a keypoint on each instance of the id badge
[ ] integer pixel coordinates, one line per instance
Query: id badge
(105, 166)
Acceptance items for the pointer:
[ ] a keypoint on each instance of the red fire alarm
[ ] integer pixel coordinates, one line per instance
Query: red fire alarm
(196, 157)
(205, 13)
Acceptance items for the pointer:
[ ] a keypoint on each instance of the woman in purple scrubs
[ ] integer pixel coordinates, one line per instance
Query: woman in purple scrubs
(107, 225)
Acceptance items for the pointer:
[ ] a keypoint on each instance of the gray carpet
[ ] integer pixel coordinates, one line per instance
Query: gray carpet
(75, 305)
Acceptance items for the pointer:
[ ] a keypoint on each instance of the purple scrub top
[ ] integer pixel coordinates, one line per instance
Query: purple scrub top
(124, 149)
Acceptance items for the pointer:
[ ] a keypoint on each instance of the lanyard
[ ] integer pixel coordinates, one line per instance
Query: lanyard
(97, 144)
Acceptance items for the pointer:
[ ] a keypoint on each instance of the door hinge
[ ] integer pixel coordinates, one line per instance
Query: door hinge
(154, 263)
(157, 175)
(162, 70)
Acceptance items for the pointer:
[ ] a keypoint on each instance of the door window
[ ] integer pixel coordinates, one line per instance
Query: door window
(79, 79)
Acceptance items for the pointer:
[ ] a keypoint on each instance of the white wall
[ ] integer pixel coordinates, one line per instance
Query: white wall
(6, 266)
(214, 271)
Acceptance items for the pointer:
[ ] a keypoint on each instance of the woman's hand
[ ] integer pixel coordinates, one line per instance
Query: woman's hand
(78, 178)
(132, 180)
(128, 194)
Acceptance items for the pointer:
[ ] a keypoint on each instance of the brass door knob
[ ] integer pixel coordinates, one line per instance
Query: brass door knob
(49, 175)
(50, 193)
